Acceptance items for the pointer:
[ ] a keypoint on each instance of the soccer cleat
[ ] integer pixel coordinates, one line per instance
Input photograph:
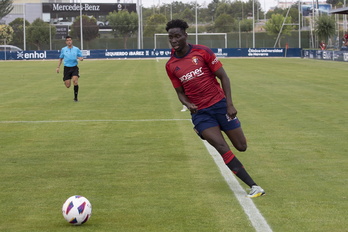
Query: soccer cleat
(75, 100)
(256, 191)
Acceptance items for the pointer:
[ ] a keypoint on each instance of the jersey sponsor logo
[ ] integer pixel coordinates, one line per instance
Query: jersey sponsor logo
(195, 60)
(193, 74)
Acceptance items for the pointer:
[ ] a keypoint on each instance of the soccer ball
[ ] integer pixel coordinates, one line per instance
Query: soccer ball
(77, 210)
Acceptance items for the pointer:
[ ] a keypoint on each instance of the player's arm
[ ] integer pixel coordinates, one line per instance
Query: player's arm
(185, 100)
(59, 63)
(226, 86)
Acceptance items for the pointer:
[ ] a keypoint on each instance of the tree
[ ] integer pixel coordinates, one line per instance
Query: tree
(5, 7)
(212, 8)
(155, 24)
(274, 26)
(38, 33)
(188, 15)
(246, 25)
(6, 34)
(293, 13)
(276, 10)
(224, 23)
(178, 9)
(237, 9)
(204, 15)
(124, 24)
(223, 8)
(333, 2)
(18, 32)
(89, 26)
(324, 27)
(248, 8)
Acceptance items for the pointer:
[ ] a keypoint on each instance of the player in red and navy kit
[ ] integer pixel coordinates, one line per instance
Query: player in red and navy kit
(192, 70)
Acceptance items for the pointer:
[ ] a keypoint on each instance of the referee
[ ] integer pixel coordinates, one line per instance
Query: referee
(70, 54)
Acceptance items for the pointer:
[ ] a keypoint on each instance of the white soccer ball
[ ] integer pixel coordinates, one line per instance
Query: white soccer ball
(77, 210)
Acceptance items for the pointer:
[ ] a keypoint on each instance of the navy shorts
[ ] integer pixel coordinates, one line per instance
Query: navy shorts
(69, 72)
(215, 115)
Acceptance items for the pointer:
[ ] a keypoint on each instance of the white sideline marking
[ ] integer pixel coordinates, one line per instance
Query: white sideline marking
(257, 220)
(58, 121)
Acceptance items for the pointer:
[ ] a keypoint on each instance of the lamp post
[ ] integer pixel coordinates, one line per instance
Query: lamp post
(299, 24)
(50, 36)
(140, 24)
(24, 30)
(81, 30)
(240, 41)
(344, 18)
(196, 25)
(253, 23)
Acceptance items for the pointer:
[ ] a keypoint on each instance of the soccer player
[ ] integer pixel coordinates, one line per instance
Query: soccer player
(70, 54)
(192, 70)
(345, 40)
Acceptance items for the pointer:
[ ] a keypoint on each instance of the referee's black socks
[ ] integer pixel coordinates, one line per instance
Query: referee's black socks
(76, 91)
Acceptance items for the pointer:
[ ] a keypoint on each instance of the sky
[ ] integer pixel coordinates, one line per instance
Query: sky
(265, 4)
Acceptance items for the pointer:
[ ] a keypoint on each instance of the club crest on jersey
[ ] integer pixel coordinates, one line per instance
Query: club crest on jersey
(195, 60)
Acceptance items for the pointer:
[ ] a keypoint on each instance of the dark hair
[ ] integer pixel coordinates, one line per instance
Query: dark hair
(68, 37)
(177, 23)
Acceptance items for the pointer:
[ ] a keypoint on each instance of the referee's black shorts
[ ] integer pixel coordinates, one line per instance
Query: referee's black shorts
(69, 72)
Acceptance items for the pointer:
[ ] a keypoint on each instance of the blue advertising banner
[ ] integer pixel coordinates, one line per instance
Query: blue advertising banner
(257, 52)
(341, 55)
(151, 53)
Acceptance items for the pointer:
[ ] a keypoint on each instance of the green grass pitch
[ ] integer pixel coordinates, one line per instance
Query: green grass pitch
(143, 171)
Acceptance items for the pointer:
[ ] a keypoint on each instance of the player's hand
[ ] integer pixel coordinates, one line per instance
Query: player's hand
(193, 108)
(57, 70)
(231, 111)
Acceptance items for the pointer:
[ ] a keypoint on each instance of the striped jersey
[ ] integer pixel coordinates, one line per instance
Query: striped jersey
(195, 73)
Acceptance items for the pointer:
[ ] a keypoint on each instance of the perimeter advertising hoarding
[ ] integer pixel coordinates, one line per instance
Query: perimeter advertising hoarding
(152, 53)
(73, 9)
(326, 55)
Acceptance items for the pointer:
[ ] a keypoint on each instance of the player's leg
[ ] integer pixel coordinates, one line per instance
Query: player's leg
(237, 138)
(208, 128)
(214, 137)
(232, 127)
(76, 86)
(67, 83)
(75, 78)
(233, 130)
(67, 77)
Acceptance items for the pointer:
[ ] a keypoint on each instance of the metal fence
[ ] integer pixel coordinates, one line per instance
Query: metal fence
(106, 40)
